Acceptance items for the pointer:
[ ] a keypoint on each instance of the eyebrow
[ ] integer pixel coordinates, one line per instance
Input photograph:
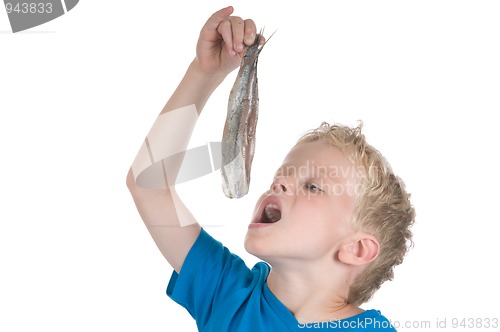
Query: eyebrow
(312, 171)
(327, 172)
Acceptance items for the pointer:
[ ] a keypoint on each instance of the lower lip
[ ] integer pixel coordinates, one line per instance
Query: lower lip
(260, 225)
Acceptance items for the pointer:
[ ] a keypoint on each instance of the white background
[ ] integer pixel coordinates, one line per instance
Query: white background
(78, 95)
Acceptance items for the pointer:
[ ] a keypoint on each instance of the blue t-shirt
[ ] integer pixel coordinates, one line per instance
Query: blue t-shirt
(223, 294)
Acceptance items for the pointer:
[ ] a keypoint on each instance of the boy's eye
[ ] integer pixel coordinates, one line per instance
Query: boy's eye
(312, 187)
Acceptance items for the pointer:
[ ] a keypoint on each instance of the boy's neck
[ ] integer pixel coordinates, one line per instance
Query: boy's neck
(311, 297)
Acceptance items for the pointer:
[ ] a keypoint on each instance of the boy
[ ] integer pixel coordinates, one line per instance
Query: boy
(333, 224)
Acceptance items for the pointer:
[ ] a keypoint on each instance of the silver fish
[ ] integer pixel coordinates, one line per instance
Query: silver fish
(238, 140)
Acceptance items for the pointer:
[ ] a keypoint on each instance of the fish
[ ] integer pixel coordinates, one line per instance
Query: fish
(238, 139)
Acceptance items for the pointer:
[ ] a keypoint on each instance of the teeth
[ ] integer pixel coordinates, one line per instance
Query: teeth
(272, 212)
(269, 210)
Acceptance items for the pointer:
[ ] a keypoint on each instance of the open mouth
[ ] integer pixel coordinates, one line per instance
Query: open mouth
(269, 211)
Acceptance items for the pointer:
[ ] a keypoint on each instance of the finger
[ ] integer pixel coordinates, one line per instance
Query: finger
(212, 24)
(238, 32)
(250, 32)
(224, 29)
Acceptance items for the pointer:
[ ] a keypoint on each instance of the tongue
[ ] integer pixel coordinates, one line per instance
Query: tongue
(272, 214)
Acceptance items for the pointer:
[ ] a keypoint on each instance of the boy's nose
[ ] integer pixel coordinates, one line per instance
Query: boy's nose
(280, 185)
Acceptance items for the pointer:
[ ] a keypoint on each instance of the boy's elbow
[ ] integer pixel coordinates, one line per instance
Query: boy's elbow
(130, 181)
(138, 191)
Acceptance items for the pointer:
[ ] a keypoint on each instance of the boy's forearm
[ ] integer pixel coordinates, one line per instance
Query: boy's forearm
(172, 226)
(160, 157)
(194, 89)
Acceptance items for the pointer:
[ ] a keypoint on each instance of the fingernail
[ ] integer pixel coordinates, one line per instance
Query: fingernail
(250, 40)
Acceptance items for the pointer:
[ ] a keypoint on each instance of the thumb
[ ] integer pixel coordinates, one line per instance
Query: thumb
(210, 27)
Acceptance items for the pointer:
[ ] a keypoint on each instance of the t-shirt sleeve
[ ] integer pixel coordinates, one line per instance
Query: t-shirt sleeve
(209, 274)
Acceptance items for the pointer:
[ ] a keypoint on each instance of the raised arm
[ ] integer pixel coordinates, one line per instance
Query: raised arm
(152, 176)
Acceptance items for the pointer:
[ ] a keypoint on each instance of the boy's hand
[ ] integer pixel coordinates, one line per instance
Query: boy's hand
(222, 41)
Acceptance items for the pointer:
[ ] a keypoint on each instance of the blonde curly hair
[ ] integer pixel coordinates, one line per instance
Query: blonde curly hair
(382, 206)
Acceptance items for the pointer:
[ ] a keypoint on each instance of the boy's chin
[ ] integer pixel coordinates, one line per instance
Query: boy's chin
(249, 247)
(257, 248)
(253, 247)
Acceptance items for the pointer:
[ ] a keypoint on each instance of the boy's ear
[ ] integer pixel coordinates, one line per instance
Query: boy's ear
(363, 249)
